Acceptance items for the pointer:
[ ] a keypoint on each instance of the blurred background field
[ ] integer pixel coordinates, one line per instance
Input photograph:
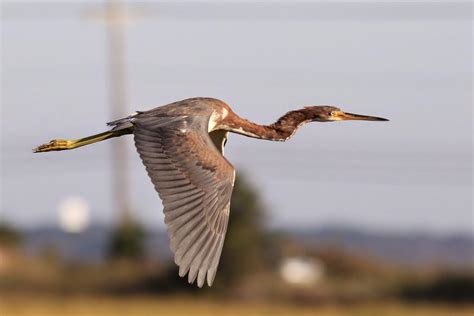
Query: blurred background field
(335, 271)
(184, 306)
(345, 219)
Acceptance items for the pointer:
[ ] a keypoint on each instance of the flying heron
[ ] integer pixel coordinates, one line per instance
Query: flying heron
(182, 147)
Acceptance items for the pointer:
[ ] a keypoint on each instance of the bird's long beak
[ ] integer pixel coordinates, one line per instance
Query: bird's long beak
(344, 116)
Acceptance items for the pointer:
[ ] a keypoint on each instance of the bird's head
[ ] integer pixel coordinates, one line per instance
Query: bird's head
(332, 113)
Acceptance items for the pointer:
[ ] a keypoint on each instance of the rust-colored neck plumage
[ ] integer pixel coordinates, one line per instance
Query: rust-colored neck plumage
(281, 130)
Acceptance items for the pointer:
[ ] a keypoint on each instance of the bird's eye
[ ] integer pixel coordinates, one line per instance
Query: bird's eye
(332, 113)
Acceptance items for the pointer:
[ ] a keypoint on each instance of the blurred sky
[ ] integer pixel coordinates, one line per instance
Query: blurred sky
(410, 62)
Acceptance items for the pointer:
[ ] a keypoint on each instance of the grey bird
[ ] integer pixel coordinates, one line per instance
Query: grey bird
(182, 147)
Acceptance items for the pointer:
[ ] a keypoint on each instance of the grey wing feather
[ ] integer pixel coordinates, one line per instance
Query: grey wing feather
(195, 183)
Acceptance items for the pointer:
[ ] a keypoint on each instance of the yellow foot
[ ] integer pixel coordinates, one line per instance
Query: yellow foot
(55, 144)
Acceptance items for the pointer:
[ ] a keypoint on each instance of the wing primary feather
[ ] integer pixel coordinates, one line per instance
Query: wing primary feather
(182, 195)
(192, 255)
(212, 258)
(176, 203)
(179, 233)
(186, 244)
(172, 184)
(199, 257)
(177, 213)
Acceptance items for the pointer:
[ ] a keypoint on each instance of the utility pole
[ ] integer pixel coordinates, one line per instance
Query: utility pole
(115, 17)
(128, 237)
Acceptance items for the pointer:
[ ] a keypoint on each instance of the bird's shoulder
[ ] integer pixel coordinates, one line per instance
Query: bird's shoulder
(198, 106)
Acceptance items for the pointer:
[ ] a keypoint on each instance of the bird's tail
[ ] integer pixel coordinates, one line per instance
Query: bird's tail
(66, 144)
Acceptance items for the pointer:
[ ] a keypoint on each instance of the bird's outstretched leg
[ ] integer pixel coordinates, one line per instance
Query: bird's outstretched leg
(66, 144)
(56, 144)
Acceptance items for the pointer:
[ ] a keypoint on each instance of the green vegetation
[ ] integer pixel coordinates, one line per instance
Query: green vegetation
(447, 287)
(9, 236)
(127, 240)
(245, 243)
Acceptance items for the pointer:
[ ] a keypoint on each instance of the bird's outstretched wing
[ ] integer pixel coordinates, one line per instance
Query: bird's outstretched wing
(195, 183)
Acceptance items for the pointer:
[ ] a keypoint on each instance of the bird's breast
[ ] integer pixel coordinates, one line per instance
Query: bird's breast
(216, 119)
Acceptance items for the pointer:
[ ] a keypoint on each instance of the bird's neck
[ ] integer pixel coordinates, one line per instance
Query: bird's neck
(282, 130)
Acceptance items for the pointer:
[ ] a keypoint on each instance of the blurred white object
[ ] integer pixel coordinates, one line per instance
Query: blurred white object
(301, 271)
(73, 214)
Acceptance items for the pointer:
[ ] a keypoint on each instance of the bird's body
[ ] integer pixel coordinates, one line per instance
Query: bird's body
(182, 147)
